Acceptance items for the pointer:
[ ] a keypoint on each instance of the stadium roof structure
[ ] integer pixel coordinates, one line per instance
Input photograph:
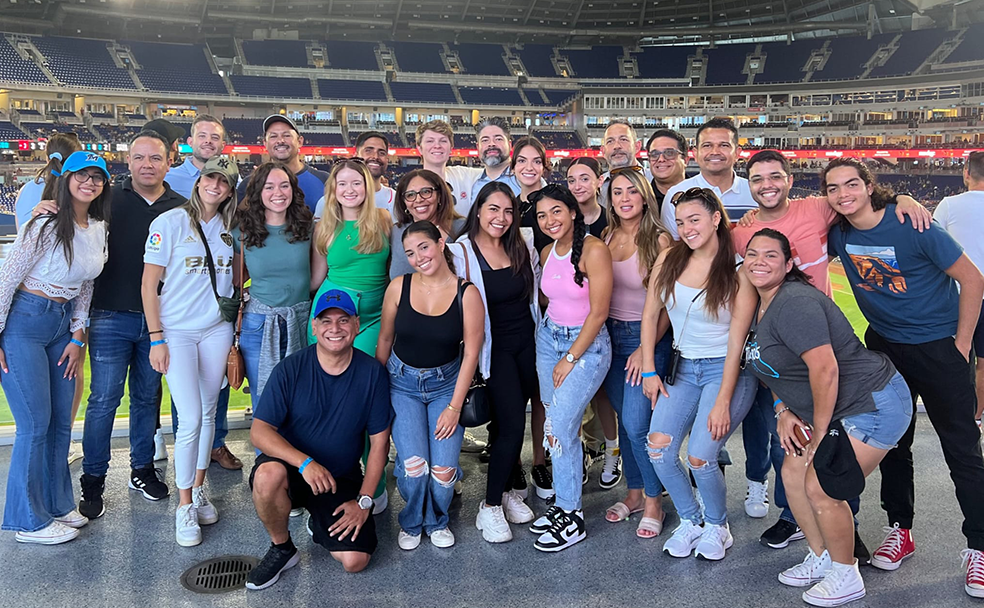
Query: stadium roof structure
(565, 22)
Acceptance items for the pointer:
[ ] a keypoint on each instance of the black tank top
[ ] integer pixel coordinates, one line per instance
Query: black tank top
(509, 305)
(425, 341)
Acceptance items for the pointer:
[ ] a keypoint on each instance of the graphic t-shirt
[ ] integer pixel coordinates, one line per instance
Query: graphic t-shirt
(187, 299)
(799, 319)
(326, 416)
(898, 277)
(805, 225)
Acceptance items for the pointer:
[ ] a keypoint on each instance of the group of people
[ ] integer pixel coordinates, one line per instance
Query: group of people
(367, 314)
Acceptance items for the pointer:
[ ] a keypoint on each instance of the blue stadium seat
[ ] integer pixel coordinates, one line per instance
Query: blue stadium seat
(664, 61)
(536, 58)
(81, 62)
(283, 53)
(560, 140)
(164, 56)
(172, 80)
(465, 141)
(8, 132)
(419, 57)
(361, 90)
(848, 56)
(243, 130)
(323, 139)
(597, 62)
(490, 97)
(482, 59)
(557, 97)
(970, 48)
(725, 63)
(345, 55)
(423, 92)
(270, 86)
(914, 49)
(784, 62)
(15, 69)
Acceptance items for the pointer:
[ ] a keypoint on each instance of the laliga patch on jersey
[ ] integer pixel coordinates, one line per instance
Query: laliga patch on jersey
(463, 195)
(226, 238)
(154, 242)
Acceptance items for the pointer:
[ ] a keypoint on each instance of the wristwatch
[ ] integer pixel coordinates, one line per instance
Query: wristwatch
(365, 502)
(569, 357)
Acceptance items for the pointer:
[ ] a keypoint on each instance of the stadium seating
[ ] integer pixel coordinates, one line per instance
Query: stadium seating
(362, 90)
(323, 139)
(9, 131)
(597, 62)
(557, 97)
(848, 57)
(419, 57)
(84, 63)
(345, 55)
(785, 62)
(423, 92)
(244, 130)
(725, 63)
(664, 61)
(482, 59)
(465, 141)
(283, 53)
(163, 56)
(490, 96)
(177, 81)
(559, 139)
(15, 69)
(536, 58)
(270, 86)
(970, 48)
(914, 49)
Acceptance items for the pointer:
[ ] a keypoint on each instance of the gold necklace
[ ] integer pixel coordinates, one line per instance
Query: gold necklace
(429, 289)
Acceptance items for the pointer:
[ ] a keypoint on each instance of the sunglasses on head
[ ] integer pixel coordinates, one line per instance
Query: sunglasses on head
(630, 168)
(705, 194)
(549, 191)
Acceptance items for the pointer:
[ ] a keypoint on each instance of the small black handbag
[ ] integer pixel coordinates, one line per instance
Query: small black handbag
(476, 410)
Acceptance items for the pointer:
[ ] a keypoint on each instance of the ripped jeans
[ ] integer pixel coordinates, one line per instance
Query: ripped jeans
(691, 399)
(565, 404)
(426, 469)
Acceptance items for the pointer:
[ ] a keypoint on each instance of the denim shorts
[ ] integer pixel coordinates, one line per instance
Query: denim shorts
(883, 427)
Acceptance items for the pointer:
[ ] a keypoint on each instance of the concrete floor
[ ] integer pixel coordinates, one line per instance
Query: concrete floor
(128, 558)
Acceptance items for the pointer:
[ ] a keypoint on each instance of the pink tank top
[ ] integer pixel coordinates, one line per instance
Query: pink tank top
(569, 304)
(628, 293)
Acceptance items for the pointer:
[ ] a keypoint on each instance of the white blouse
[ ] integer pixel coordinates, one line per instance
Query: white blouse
(43, 266)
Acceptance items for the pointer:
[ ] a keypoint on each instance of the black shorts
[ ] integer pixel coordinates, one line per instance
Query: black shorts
(321, 507)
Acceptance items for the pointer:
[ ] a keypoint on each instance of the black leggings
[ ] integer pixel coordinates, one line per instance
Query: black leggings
(513, 382)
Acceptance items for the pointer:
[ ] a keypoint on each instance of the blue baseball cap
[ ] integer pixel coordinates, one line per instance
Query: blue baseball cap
(83, 160)
(336, 298)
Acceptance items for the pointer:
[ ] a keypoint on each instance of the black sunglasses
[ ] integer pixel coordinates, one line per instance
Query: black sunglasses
(690, 194)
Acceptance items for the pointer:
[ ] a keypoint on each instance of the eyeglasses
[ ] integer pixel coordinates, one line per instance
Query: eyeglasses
(424, 193)
(705, 194)
(668, 154)
(98, 179)
(760, 179)
(626, 169)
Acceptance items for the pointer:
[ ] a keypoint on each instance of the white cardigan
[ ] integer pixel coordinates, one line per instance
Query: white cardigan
(466, 248)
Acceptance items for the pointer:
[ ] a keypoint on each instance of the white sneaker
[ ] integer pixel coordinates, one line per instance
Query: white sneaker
(757, 499)
(207, 514)
(186, 529)
(684, 539)
(809, 572)
(379, 504)
(160, 448)
(611, 471)
(517, 511)
(74, 451)
(54, 533)
(442, 538)
(297, 512)
(713, 542)
(407, 541)
(73, 519)
(492, 522)
(842, 584)
(470, 445)
(458, 488)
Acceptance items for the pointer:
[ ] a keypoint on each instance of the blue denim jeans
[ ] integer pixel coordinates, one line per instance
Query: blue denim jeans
(119, 344)
(250, 343)
(565, 404)
(39, 484)
(633, 408)
(419, 397)
(685, 411)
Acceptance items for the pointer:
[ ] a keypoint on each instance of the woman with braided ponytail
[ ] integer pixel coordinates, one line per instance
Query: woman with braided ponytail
(573, 352)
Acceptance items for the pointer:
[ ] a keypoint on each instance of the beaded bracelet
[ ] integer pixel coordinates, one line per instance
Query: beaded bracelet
(158, 342)
(79, 343)
(780, 412)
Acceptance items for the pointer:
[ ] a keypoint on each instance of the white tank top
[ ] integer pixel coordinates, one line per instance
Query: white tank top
(699, 335)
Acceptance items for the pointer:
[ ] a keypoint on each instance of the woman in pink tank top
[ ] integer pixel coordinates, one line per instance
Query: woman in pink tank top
(573, 352)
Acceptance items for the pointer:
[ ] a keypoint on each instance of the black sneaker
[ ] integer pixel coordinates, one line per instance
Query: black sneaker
(781, 534)
(91, 504)
(267, 572)
(149, 483)
(518, 482)
(546, 521)
(542, 481)
(485, 455)
(861, 552)
(566, 530)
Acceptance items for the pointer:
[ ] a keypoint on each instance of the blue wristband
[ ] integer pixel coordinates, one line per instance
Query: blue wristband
(648, 374)
(77, 342)
(158, 342)
(777, 402)
(304, 464)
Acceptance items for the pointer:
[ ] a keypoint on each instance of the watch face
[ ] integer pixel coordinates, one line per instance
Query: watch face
(365, 502)
(570, 358)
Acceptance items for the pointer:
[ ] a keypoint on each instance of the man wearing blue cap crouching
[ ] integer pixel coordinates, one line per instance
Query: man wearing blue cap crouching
(310, 426)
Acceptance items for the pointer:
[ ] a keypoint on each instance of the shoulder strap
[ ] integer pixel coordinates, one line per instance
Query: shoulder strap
(208, 260)
(461, 319)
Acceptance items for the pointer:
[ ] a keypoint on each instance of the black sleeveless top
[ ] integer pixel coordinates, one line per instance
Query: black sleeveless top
(425, 341)
(509, 304)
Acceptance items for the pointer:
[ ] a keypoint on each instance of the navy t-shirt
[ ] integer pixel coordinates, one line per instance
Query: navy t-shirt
(311, 181)
(898, 277)
(326, 416)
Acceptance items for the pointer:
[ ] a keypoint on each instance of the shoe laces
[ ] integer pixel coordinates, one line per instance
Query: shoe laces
(200, 496)
(189, 517)
(561, 522)
(611, 464)
(757, 492)
(973, 561)
(893, 542)
(498, 516)
(713, 533)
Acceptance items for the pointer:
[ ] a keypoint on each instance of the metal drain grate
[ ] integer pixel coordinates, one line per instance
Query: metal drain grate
(219, 575)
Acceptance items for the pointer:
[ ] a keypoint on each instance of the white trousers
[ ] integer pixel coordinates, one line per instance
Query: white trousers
(194, 377)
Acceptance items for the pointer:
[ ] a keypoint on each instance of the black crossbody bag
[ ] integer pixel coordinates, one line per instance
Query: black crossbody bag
(229, 307)
(670, 377)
